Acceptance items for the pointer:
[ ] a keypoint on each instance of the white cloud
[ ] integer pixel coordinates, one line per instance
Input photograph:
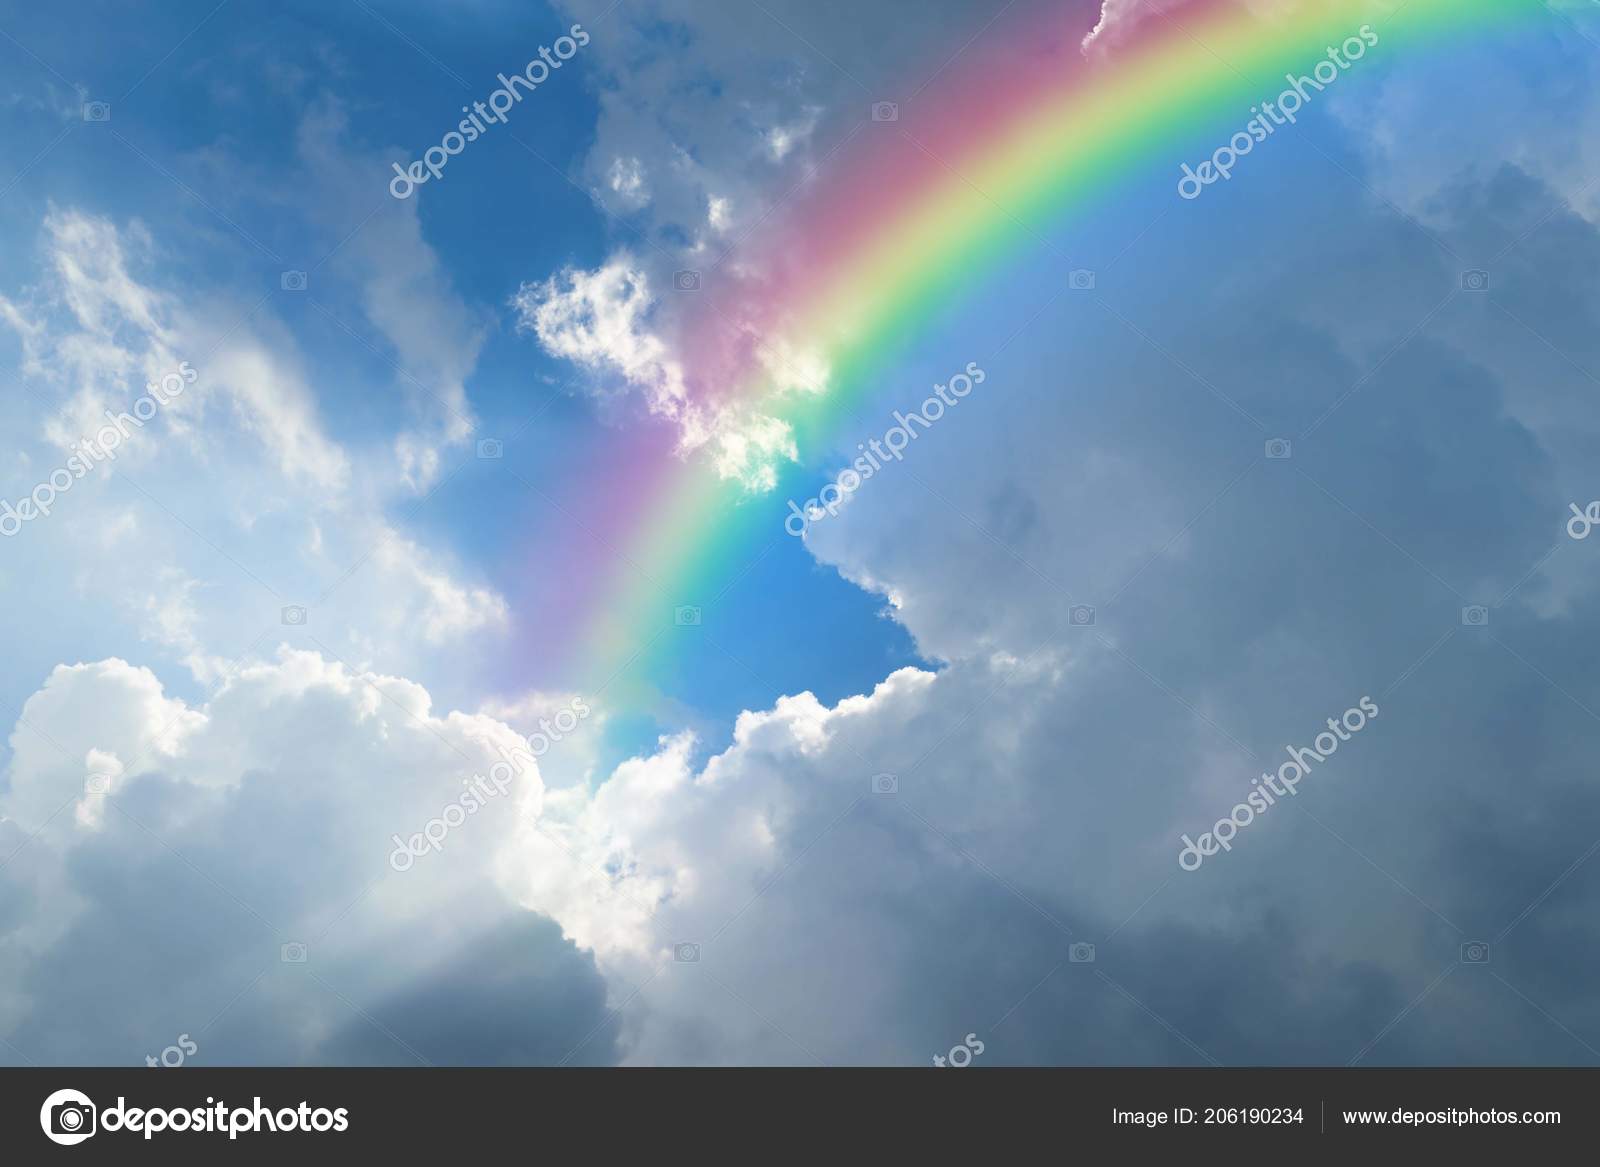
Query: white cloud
(447, 610)
(1119, 19)
(720, 161)
(782, 140)
(626, 180)
(288, 514)
(261, 818)
(98, 335)
(601, 319)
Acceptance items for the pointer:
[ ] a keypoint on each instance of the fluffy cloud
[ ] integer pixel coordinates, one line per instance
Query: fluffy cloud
(261, 819)
(605, 320)
(1045, 773)
(601, 320)
(869, 880)
(690, 169)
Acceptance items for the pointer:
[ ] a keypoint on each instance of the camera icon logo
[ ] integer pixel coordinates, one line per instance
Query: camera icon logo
(1279, 448)
(1475, 280)
(885, 784)
(293, 952)
(1081, 280)
(1081, 953)
(491, 448)
(98, 784)
(1475, 952)
(294, 614)
(97, 111)
(1475, 615)
(885, 111)
(686, 281)
(1081, 615)
(293, 281)
(686, 616)
(68, 1117)
(686, 953)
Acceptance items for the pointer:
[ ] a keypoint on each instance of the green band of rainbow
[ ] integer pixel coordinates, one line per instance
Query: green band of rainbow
(894, 232)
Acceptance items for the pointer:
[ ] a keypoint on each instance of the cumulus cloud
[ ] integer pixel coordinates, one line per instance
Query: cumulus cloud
(867, 880)
(1044, 774)
(260, 819)
(1420, 161)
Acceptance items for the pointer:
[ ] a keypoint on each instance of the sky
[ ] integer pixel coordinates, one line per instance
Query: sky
(1311, 453)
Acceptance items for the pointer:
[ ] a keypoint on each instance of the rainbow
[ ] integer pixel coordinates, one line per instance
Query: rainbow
(1015, 135)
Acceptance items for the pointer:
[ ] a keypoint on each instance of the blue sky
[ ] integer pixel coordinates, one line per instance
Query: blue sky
(201, 153)
(254, 769)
